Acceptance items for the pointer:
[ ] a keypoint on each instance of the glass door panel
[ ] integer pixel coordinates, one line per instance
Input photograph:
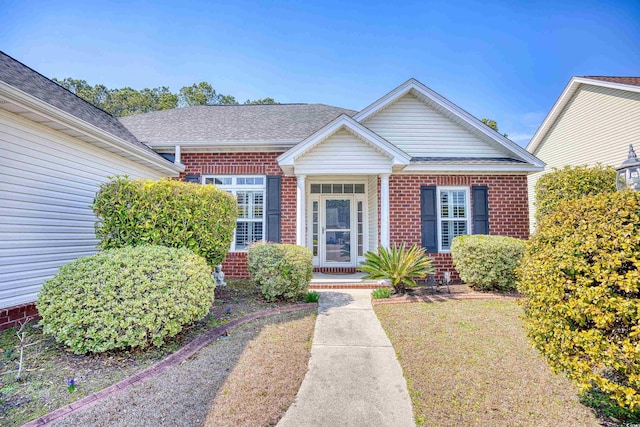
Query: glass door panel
(337, 237)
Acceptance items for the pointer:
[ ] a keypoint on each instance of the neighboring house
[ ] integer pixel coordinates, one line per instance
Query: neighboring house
(56, 149)
(411, 167)
(593, 121)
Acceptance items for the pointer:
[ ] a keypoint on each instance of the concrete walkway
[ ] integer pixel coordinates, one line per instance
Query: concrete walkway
(354, 378)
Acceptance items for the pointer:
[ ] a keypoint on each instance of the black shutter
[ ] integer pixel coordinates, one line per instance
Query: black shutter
(429, 218)
(272, 233)
(480, 209)
(195, 178)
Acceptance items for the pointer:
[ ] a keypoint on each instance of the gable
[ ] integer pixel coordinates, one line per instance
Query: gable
(422, 131)
(342, 152)
(596, 125)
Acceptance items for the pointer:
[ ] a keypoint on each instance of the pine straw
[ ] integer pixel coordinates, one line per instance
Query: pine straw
(469, 363)
(266, 378)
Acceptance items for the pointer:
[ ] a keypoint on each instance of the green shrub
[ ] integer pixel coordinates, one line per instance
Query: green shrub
(581, 279)
(571, 183)
(381, 293)
(281, 271)
(167, 213)
(127, 297)
(312, 296)
(487, 263)
(399, 265)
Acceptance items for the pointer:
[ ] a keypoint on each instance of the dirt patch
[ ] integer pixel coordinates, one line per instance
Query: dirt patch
(469, 363)
(268, 376)
(183, 395)
(49, 366)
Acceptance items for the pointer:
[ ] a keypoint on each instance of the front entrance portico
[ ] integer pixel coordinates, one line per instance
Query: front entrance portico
(342, 194)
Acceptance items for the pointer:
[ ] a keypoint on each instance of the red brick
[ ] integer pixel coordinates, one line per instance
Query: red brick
(508, 207)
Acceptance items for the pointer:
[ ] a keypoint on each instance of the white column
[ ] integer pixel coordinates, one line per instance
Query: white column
(300, 211)
(177, 159)
(384, 211)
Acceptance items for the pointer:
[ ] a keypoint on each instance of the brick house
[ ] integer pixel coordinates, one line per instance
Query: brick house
(411, 167)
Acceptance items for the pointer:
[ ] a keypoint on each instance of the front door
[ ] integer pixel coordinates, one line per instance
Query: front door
(337, 250)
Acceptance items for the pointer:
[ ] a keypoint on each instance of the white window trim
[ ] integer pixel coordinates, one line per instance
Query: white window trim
(233, 188)
(467, 203)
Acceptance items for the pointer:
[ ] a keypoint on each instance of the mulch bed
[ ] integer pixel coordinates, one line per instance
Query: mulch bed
(159, 368)
(49, 365)
(440, 294)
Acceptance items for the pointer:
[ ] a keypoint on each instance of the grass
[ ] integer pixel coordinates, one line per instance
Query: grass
(469, 363)
(266, 379)
(381, 293)
(49, 366)
(312, 296)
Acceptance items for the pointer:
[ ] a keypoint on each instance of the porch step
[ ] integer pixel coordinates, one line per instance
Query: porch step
(344, 281)
(349, 285)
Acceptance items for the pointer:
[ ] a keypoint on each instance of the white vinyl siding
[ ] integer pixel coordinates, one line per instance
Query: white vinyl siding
(342, 153)
(596, 125)
(47, 182)
(421, 131)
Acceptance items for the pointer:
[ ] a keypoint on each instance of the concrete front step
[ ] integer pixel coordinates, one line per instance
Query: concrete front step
(348, 285)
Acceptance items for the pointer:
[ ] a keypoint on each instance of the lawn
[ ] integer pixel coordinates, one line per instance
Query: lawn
(469, 363)
(49, 366)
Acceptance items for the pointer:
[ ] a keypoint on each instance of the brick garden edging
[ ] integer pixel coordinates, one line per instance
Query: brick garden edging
(442, 298)
(170, 361)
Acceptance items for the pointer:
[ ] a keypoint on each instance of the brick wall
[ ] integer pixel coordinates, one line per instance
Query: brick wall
(508, 208)
(235, 266)
(10, 317)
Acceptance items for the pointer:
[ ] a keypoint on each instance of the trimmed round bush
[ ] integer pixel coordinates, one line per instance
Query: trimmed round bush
(281, 271)
(581, 279)
(123, 298)
(487, 263)
(169, 213)
(572, 182)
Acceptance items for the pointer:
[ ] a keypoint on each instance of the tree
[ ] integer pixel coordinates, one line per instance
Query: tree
(128, 101)
(203, 94)
(492, 124)
(261, 101)
(96, 95)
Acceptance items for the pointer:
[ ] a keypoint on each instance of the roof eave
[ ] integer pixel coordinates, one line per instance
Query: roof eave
(36, 105)
(270, 145)
(461, 168)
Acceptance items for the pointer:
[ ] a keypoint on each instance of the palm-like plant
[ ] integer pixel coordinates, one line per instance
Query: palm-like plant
(398, 265)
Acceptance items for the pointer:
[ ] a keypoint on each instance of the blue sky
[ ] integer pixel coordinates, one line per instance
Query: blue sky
(506, 60)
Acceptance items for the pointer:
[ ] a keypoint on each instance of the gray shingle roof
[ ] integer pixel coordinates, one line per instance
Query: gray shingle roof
(35, 84)
(211, 123)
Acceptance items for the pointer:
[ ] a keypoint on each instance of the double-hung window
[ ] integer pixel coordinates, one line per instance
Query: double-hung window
(250, 193)
(453, 214)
